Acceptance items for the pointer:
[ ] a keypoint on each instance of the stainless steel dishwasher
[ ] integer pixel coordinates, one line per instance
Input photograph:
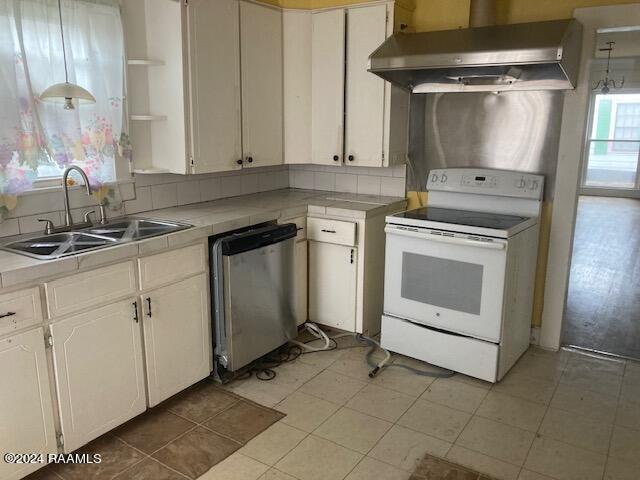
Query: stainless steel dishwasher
(252, 294)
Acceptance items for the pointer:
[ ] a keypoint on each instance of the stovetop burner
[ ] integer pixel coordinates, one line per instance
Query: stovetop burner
(494, 221)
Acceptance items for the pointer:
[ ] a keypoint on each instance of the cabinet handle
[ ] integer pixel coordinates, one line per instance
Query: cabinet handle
(328, 231)
(336, 158)
(149, 307)
(250, 159)
(239, 161)
(351, 158)
(8, 314)
(135, 312)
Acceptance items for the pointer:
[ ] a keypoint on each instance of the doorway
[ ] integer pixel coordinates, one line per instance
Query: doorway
(603, 300)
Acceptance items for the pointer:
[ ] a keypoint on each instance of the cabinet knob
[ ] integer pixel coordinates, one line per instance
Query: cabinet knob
(336, 158)
(351, 158)
(239, 162)
(250, 159)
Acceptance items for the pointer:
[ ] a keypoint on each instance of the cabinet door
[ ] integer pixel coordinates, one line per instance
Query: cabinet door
(177, 337)
(332, 285)
(98, 367)
(26, 414)
(365, 92)
(327, 87)
(214, 54)
(262, 105)
(301, 282)
(296, 50)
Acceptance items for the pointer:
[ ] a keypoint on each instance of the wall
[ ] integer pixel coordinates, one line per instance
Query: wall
(369, 181)
(148, 192)
(449, 14)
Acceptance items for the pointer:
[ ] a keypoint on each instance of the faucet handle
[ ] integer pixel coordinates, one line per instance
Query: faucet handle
(86, 218)
(103, 214)
(48, 227)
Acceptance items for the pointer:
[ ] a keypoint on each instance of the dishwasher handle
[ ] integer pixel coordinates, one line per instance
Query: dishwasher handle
(258, 238)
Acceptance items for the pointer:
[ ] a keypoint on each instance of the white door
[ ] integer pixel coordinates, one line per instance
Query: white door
(26, 414)
(301, 282)
(327, 86)
(98, 368)
(214, 63)
(447, 282)
(262, 105)
(332, 285)
(176, 337)
(297, 85)
(367, 27)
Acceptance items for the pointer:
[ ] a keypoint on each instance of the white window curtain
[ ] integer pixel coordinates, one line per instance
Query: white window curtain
(37, 138)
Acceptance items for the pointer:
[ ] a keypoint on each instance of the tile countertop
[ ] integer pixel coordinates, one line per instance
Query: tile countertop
(208, 218)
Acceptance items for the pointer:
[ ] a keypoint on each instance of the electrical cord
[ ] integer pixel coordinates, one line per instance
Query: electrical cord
(264, 368)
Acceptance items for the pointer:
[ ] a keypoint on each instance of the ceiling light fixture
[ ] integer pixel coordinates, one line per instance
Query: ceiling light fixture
(608, 83)
(66, 92)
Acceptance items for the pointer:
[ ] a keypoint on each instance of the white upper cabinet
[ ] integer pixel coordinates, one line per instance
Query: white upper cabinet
(327, 86)
(296, 49)
(365, 92)
(262, 71)
(214, 67)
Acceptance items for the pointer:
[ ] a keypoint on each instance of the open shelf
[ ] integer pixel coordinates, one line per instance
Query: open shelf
(147, 118)
(146, 63)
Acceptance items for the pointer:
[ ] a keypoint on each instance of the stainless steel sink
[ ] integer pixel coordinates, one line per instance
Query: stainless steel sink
(58, 245)
(119, 231)
(132, 229)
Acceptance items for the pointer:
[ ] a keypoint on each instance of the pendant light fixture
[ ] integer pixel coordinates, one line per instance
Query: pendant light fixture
(605, 85)
(66, 92)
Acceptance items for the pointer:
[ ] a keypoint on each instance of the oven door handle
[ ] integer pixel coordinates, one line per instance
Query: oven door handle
(444, 239)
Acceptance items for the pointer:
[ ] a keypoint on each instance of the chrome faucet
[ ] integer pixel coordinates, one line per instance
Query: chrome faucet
(68, 220)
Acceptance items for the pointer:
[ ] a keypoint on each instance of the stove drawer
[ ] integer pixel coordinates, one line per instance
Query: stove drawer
(472, 357)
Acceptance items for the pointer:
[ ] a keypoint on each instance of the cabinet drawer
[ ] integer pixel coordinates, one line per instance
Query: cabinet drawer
(301, 224)
(19, 310)
(170, 266)
(331, 231)
(73, 293)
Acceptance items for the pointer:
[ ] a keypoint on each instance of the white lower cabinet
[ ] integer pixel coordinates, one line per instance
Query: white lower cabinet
(177, 337)
(301, 282)
(332, 285)
(97, 358)
(26, 413)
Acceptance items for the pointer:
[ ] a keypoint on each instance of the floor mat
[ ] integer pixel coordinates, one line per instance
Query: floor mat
(433, 468)
(184, 436)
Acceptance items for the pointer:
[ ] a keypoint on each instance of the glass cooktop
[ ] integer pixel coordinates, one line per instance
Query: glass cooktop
(494, 221)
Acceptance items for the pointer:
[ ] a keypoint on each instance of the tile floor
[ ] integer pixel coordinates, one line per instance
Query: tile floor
(562, 416)
(179, 439)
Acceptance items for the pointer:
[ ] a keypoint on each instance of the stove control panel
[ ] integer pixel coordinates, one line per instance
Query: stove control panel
(486, 182)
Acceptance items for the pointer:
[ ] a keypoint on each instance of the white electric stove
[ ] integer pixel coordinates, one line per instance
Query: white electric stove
(459, 273)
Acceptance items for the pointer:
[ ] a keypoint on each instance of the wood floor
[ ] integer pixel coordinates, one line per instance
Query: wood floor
(603, 304)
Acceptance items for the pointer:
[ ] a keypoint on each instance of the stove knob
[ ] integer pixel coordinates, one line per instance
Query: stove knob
(434, 178)
(521, 183)
(443, 178)
(533, 185)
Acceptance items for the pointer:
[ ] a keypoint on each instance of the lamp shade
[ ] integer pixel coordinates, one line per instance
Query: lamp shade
(65, 93)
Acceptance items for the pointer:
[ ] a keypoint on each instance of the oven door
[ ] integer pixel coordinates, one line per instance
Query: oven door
(444, 280)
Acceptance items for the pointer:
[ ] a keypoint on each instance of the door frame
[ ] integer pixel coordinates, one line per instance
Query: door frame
(568, 176)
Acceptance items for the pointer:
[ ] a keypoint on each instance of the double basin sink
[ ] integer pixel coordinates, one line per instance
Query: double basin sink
(123, 230)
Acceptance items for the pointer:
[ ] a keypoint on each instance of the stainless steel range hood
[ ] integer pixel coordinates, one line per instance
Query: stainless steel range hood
(524, 56)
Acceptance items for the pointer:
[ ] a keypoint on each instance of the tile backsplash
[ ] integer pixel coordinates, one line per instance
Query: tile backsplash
(150, 192)
(371, 181)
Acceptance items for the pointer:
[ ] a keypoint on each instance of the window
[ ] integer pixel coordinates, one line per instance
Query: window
(613, 144)
(627, 126)
(37, 139)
